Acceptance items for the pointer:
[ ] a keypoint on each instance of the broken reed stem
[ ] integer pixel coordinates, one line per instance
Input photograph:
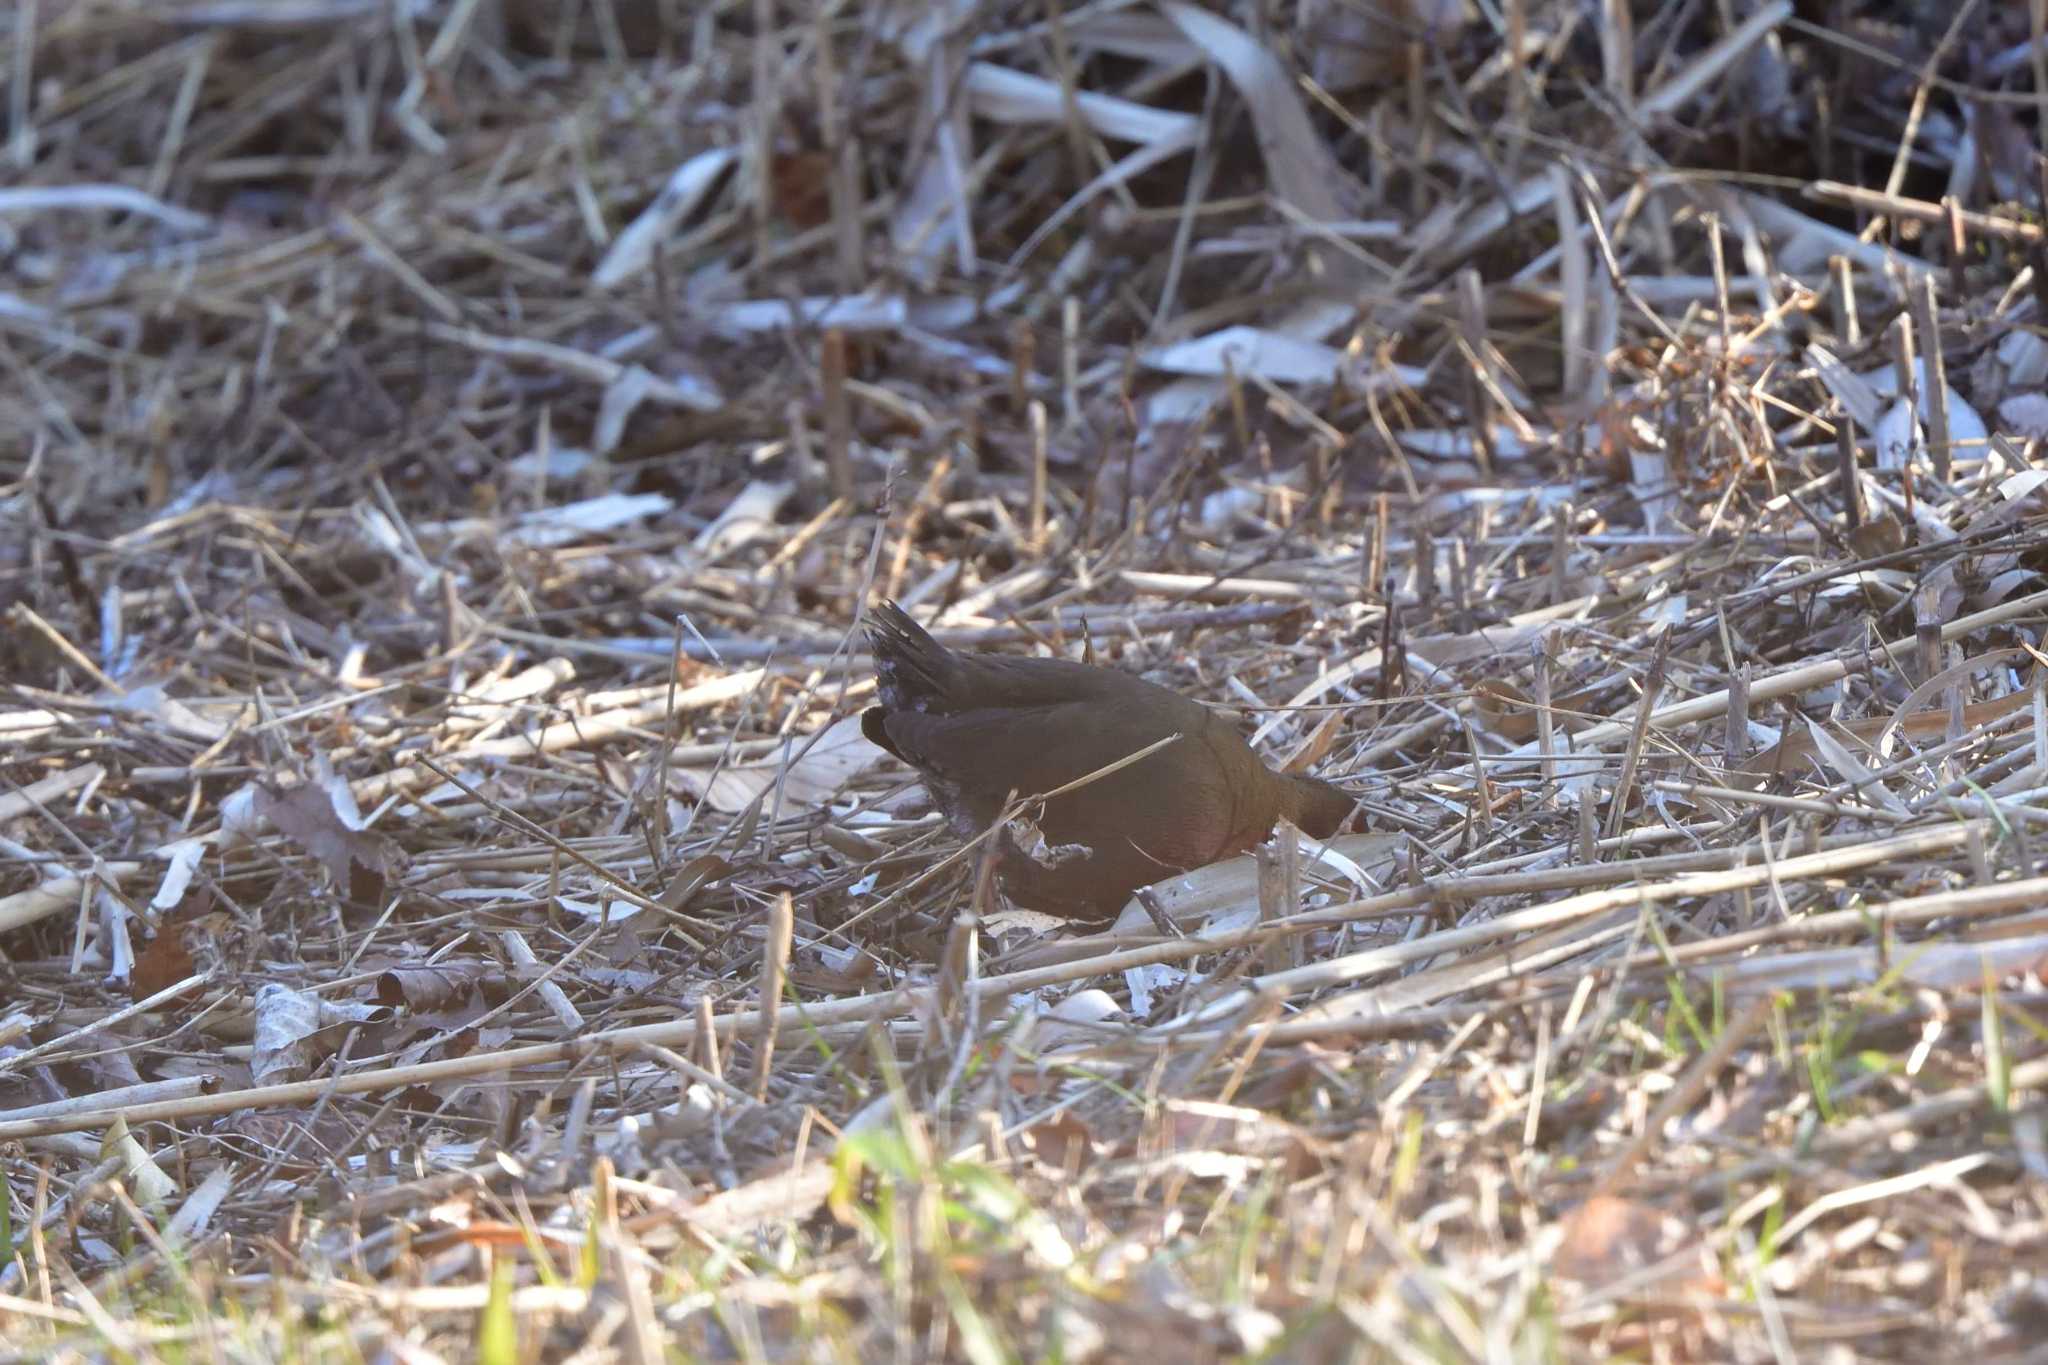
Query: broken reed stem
(1921, 300)
(1039, 458)
(1653, 686)
(1848, 325)
(842, 159)
(1279, 866)
(1070, 364)
(838, 413)
(774, 971)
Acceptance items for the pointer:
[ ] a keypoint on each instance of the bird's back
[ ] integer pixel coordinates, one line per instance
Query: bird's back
(914, 672)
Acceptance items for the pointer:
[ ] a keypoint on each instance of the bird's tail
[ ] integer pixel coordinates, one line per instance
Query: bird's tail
(914, 671)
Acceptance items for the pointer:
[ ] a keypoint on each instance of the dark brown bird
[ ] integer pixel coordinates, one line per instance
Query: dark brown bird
(982, 727)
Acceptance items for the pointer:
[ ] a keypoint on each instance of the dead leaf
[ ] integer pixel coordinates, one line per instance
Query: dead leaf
(1607, 1238)
(1196, 900)
(151, 1184)
(163, 964)
(692, 877)
(434, 987)
(1319, 742)
(2025, 414)
(799, 184)
(1064, 1142)
(320, 816)
(1506, 709)
(1881, 535)
(818, 768)
(295, 1029)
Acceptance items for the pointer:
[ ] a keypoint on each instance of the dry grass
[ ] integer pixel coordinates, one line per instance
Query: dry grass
(448, 446)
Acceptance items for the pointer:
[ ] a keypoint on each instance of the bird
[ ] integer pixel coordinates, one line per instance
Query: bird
(981, 729)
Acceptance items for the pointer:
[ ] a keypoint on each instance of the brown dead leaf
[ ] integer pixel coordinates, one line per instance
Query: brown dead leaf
(164, 963)
(1319, 742)
(312, 815)
(188, 940)
(1506, 709)
(1881, 535)
(799, 184)
(1609, 1237)
(439, 986)
(1064, 1142)
(692, 877)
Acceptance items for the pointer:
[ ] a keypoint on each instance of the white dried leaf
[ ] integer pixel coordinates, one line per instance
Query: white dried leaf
(2001, 586)
(1003, 95)
(1223, 509)
(1210, 896)
(1241, 350)
(1461, 444)
(594, 912)
(288, 1028)
(1896, 436)
(195, 1215)
(749, 517)
(1079, 1020)
(1967, 431)
(152, 701)
(1855, 395)
(1299, 167)
(632, 251)
(634, 386)
(1965, 426)
(848, 312)
(2025, 357)
(1144, 983)
(2020, 486)
(819, 770)
(574, 520)
(184, 856)
(383, 533)
(1849, 767)
(560, 462)
(2025, 415)
(1651, 482)
(240, 821)
(1090, 1006)
(151, 1185)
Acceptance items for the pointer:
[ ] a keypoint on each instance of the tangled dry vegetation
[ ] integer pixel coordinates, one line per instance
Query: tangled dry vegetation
(447, 446)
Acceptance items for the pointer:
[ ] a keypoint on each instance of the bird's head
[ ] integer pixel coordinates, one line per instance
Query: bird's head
(1320, 809)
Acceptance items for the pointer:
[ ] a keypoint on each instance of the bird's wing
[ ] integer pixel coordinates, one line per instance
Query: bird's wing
(1174, 804)
(996, 749)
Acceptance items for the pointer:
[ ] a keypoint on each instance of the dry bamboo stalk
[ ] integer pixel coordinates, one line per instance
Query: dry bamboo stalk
(838, 414)
(774, 971)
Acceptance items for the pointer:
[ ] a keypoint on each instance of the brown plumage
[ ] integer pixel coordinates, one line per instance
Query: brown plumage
(979, 727)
